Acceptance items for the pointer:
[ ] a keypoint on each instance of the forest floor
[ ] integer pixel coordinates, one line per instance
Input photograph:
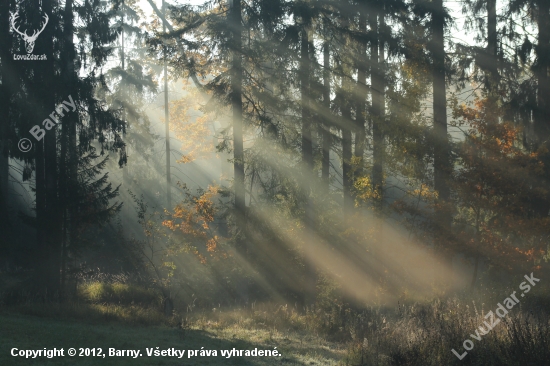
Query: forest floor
(26, 332)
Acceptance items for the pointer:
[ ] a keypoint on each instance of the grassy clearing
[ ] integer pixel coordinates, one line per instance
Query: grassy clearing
(125, 316)
(29, 332)
(128, 316)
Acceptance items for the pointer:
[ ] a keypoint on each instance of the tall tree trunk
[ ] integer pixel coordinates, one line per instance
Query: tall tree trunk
(325, 133)
(491, 60)
(307, 159)
(442, 164)
(382, 101)
(4, 170)
(307, 146)
(347, 125)
(4, 115)
(235, 23)
(492, 48)
(476, 260)
(4, 185)
(542, 112)
(167, 122)
(68, 166)
(346, 164)
(361, 96)
(542, 115)
(126, 182)
(48, 213)
(237, 108)
(377, 88)
(40, 254)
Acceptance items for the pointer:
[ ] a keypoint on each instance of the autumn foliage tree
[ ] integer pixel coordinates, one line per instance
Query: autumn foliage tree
(496, 184)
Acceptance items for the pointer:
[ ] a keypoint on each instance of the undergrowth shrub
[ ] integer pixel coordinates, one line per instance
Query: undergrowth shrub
(424, 335)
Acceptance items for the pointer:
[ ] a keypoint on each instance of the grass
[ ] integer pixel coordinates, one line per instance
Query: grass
(28, 332)
(121, 293)
(113, 314)
(424, 335)
(125, 316)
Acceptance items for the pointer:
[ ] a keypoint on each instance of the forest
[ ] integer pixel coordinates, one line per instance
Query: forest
(258, 182)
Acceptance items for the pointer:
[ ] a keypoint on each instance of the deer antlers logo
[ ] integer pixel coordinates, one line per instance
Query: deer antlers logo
(29, 40)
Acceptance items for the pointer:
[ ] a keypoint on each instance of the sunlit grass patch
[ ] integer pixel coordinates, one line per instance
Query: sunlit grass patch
(118, 293)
